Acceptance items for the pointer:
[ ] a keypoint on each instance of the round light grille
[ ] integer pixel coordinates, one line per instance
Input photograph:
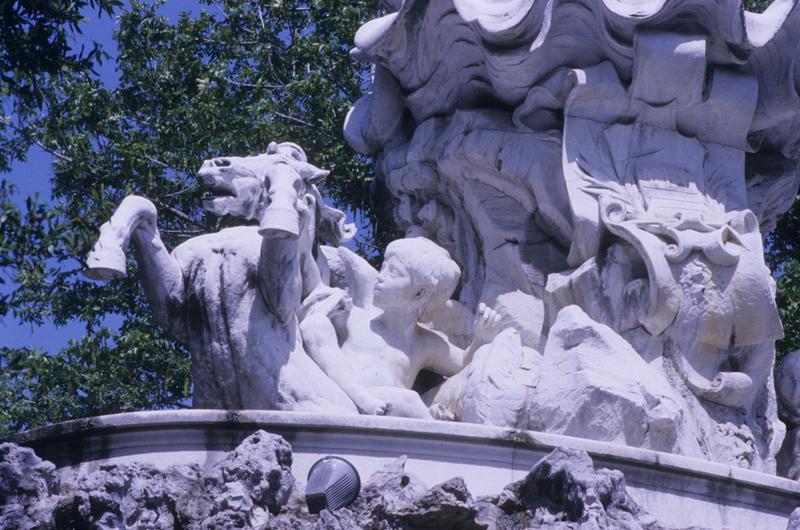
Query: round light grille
(333, 482)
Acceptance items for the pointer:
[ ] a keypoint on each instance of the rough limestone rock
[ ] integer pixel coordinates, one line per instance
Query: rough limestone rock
(261, 464)
(387, 492)
(594, 385)
(562, 491)
(448, 505)
(120, 496)
(252, 488)
(28, 486)
(242, 488)
(239, 491)
(564, 487)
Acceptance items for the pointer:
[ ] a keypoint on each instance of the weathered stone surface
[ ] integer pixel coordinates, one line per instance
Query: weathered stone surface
(562, 491)
(624, 157)
(251, 488)
(446, 506)
(595, 385)
(28, 489)
(239, 491)
(242, 488)
(564, 486)
(124, 496)
(794, 520)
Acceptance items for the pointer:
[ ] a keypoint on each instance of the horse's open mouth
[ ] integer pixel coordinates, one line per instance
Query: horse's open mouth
(219, 189)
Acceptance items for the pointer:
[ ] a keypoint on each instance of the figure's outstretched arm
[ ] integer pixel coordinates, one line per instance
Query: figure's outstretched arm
(451, 359)
(134, 222)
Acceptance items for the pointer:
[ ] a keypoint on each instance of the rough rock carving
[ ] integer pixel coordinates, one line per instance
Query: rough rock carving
(241, 490)
(600, 154)
(253, 487)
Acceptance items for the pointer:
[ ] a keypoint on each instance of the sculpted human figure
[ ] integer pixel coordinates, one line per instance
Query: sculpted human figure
(232, 296)
(375, 352)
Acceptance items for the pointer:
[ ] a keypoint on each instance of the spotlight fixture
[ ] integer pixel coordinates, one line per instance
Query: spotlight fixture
(333, 482)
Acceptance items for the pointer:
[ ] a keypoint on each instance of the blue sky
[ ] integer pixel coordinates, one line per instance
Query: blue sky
(33, 176)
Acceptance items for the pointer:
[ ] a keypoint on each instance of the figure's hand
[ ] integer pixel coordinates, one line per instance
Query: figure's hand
(440, 412)
(325, 300)
(488, 324)
(372, 406)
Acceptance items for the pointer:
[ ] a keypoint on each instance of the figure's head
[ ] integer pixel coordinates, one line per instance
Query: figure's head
(416, 273)
(271, 188)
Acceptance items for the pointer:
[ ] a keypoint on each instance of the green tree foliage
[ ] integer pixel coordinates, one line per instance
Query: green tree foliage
(783, 257)
(34, 46)
(228, 80)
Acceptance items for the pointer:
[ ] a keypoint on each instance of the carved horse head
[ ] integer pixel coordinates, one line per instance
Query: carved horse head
(272, 188)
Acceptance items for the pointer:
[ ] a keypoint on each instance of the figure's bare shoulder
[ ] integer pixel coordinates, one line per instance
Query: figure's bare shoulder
(429, 343)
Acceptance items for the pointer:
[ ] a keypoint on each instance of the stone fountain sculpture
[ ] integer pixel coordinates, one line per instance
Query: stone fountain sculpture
(590, 180)
(232, 296)
(604, 174)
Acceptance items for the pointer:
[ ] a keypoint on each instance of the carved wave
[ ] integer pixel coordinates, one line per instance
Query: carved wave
(451, 54)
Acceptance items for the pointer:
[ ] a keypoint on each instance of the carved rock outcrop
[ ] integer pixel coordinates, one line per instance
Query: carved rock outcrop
(28, 488)
(239, 491)
(562, 491)
(252, 488)
(564, 486)
(594, 385)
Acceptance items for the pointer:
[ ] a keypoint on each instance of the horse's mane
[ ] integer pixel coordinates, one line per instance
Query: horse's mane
(331, 226)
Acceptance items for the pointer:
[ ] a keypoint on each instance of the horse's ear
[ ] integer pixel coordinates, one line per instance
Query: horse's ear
(318, 176)
(311, 174)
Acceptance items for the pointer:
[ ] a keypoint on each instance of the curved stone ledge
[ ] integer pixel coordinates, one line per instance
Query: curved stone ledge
(679, 491)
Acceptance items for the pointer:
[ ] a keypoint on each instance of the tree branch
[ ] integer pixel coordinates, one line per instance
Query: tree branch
(174, 211)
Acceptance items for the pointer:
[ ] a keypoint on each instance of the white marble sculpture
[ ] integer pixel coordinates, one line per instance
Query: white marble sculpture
(232, 296)
(373, 345)
(592, 180)
(610, 167)
(270, 326)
